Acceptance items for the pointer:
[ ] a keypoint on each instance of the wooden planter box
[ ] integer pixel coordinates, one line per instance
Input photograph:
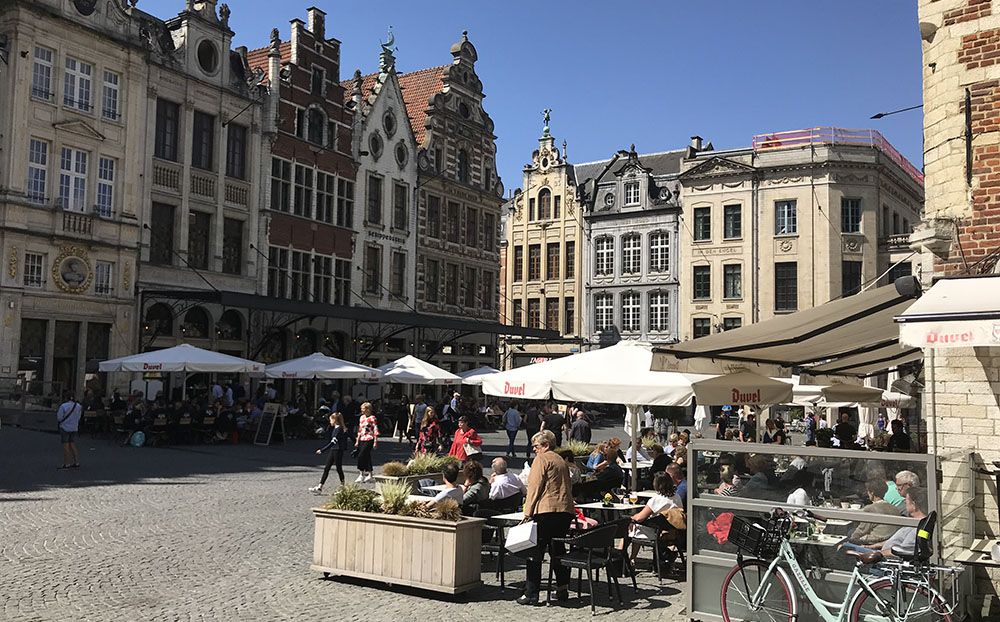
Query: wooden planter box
(399, 550)
(412, 480)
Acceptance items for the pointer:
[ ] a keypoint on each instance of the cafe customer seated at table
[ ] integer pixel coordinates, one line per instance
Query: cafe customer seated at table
(476, 488)
(867, 534)
(905, 538)
(504, 485)
(575, 476)
(665, 499)
(451, 489)
(607, 470)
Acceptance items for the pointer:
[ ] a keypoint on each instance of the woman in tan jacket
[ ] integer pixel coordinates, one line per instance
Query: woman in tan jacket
(549, 503)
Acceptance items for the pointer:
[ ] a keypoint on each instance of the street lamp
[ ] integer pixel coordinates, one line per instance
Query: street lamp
(879, 115)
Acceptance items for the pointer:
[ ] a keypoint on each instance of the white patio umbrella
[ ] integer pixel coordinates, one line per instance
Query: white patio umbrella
(742, 388)
(182, 358)
(475, 376)
(411, 370)
(319, 366)
(702, 416)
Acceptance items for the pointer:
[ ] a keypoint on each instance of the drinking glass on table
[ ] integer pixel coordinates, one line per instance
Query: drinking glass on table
(633, 498)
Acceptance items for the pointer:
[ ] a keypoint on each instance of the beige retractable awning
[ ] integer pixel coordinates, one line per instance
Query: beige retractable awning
(858, 329)
(954, 313)
(869, 363)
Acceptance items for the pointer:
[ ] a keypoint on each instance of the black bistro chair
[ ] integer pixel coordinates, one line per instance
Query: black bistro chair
(591, 551)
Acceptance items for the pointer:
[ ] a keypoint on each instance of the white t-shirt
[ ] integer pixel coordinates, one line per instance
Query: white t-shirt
(798, 497)
(656, 504)
(450, 493)
(69, 413)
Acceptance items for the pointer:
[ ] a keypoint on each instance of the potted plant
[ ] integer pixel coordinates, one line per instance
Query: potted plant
(384, 536)
(421, 466)
(581, 451)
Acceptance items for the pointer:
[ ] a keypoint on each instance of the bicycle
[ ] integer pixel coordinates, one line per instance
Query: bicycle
(759, 588)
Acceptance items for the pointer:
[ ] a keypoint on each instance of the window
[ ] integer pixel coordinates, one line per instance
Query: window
(77, 85)
(534, 313)
(281, 185)
(73, 179)
(303, 194)
(345, 203)
(702, 282)
(851, 278)
(433, 216)
(299, 276)
(38, 168)
(702, 327)
(659, 311)
(631, 193)
(463, 166)
(451, 284)
(659, 252)
(325, 196)
(203, 141)
(341, 282)
(552, 261)
(41, 74)
(236, 151)
(732, 281)
(631, 254)
(552, 314)
(785, 222)
(556, 206)
(277, 272)
(490, 231)
(471, 227)
(316, 122)
(199, 234)
(232, 246)
(489, 294)
(895, 224)
(731, 323)
(569, 314)
(702, 224)
(531, 210)
(167, 129)
(397, 275)
(518, 263)
(631, 312)
(318, 81)
(570, 269)
(373, 269)
(322, 278)
(534, 262)
(453, 222)
(517, 312)
(111, 97)
(438, 165)
(850, 215)
(105, 186)
(545, 204)
(300, 123)
(400, 206)
(604, 312)
(34, 270)
(786, 286)
(161, 235)
(732, 222)
(470, 288)
(899, 270)
(433, 280)
(103, 278)
(604, 260)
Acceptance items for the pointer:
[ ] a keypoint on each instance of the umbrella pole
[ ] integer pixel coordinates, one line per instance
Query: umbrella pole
(633, 418)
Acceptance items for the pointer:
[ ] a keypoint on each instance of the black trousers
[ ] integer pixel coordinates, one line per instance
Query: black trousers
(365, 456)
(550, 525)
(336, 457)
(530, 432)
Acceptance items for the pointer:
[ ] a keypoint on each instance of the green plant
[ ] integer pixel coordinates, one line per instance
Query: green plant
(648, 442)
(395, 496)
(394, 469)
(579, 448)
(423, 464)
(354, 499)
(824, 437)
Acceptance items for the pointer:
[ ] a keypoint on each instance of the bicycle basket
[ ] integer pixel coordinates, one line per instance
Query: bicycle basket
(755, 539)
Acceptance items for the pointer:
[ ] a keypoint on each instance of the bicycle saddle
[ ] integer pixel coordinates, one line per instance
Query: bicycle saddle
(873, 557)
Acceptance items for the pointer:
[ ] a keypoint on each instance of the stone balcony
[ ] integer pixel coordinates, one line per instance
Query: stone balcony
(895, 242)
(47, 218)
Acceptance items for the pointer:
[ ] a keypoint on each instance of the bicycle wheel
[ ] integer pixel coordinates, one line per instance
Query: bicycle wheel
(747, 579)
(919, 604)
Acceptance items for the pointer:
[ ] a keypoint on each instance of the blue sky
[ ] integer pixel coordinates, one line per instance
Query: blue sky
(652, 73)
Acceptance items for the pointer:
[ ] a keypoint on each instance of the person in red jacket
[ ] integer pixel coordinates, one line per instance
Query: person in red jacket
(465, 435)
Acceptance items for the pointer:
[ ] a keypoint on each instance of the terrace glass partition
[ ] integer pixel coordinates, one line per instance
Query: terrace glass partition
(832, 483)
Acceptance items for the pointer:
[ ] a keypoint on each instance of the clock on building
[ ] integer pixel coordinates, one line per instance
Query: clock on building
(85, 7)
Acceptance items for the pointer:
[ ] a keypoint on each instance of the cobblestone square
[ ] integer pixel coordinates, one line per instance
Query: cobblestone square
(215, 532)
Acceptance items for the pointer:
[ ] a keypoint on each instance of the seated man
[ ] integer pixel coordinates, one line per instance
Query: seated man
(504, 485)
(679, 478)
(867, 534)
(451, 489)
(905, 538)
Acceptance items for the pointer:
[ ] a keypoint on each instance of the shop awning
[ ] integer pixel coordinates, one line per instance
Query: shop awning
(873, 362)
(858, 328)
(954, 313)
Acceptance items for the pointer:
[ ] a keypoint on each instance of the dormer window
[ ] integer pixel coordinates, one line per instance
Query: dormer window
(631, 193)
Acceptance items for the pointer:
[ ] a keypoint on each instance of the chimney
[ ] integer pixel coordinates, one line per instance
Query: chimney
(317, 23)
(696, 142)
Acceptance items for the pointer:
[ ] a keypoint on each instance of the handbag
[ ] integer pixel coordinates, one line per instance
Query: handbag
(472, 451)
(522, 537)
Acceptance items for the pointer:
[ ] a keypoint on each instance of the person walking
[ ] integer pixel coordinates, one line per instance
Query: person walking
(429, 439)
(338, 444)
(366, 442)
(68, 420)
(403, 417)
(532, 424)
(549, 503)
(511, 423)
(580, 431)
(553, 421)
(466, 440)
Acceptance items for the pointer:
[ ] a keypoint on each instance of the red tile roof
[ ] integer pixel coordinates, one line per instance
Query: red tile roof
(258, 58)
(418, 87)
(367, 84)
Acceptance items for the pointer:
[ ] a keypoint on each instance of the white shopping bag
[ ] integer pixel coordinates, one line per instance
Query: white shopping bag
(522, 537)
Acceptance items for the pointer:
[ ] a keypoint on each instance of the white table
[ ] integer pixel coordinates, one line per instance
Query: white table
(513, 517)
(823, 539)
(435, 487)
(614, 507)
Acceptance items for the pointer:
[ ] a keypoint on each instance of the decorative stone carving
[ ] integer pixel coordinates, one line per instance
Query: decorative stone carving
(12, 263)
(71, 270)
(126, 277)
(786, 246)
(852, 244)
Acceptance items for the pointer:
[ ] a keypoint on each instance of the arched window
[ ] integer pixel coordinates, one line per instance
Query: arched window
(159, 320)
(631, 312)
(315, 122)
(196, 324)
(631, 253)
(544, 204)
(659, 252)
(604, 256)
(334, 344)
(463, 165)
(659, 311)
(230, 325)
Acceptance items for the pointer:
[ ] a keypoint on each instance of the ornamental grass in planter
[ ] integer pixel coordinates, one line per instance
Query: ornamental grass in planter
(421, 466)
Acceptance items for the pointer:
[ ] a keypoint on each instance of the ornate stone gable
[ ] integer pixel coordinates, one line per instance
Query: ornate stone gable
(717, 167)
